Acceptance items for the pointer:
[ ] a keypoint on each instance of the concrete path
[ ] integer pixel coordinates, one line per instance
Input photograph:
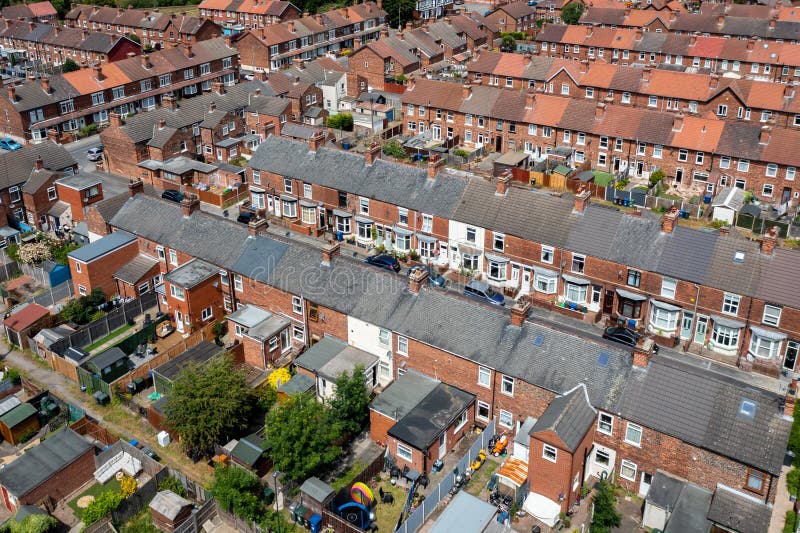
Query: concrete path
(782, 503)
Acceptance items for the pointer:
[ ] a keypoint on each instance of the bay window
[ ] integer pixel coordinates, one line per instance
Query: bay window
(725, 336)
(545, 282)
(402, 242)
(496, 267)
(764, 343)
(309, 215)
(343, 224)
(664, 317)
(364, 229)
(289, 208)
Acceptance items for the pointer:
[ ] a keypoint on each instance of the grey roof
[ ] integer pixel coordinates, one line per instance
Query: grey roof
(739, 512)
(320, 354)
(732, 197)
(101, 247)
(569, 417)
(384, 181)
(192, 273)
(79, 181)
(107, 358)
(49, 336)
(403, 394)
(523, 435)
(40, 463)
(298, 131)
(59, 208)
(168, 504)
(197, 354)
(316, 489)
(345, 361)
(465, 514)
(8, 404)
(135, 269)
(27, 510)
(664, 490)
(249, 450)
(702, 408)
(16, 167)
(423, 424)
(249, 315)
(269, 327)
(36, 180)
(689, 514)
(108, 207)
(298, 384)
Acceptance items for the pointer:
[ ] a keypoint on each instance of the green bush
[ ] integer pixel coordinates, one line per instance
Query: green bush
(101, 506)
(13, 375)
(790, 524)
(174, 485)
(460, 152)
(794, 435)
(84, 309)
(393, 149)
(340, 121)
(34, 523)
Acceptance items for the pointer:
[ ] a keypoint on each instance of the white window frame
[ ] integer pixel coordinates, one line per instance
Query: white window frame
(630, 466)
(506, 415)
(404, 452)
(297, 305)
(483, 405)
(731, 303)
(402, 345)
(484, 376)
(668, 287)
(207, 313)
(771, 315)
(635, 428)
(604, 419)
(550, 453)
(507, 385)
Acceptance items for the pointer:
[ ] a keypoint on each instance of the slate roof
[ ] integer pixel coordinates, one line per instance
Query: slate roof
(703, 409)
(384, 181)
(197, 354)
(739, 512)
(434, 414)
(569, 417)
(107, 358)
(464, 513)
(688, 515)
(16, 167)
(42, 462)
(135, 269)
(101, 247)
(320, 354)
(298, 384)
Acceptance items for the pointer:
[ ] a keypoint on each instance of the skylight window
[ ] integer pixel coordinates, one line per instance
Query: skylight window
(603, 359)
(538, 340)
(738, 256)
(747, 409)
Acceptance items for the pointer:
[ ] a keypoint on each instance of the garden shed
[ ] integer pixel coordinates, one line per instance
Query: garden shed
(169, 510)
(20, 422)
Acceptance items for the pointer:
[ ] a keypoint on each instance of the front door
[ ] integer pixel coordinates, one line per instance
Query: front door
(789, 361)
(515, 274)
(644, 486)
(678, 175)
(442, 445)
(608, 302)
(702, 327)
(498, 144)
(526, 278)
(179, 321)
(786, 196)
(687, 323)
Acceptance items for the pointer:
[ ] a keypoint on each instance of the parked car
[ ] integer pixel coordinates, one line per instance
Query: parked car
(625, 336)
(482, 291)
(94, 154)
(245, 217)
(8, 143)
(434, 278)
(172, 195)
(384, 261)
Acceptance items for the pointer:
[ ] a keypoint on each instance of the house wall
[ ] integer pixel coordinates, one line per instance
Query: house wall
(379, 426)
(78, 198)
(366, 336)
(554, 479)
(98, 274)
(39, 203)
(64, 482)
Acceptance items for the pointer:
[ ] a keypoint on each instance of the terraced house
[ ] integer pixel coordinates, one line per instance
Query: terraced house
(512, 368)
(731, 297)
(36, 11)
(278, 45)
(246, 14)
(62, 104)
(153, 28)
(54, 44)
(692, 150)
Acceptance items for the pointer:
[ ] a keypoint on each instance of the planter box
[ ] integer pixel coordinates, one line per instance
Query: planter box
(299, 227)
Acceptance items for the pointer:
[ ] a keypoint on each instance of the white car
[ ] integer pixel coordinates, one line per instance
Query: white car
(95, 154)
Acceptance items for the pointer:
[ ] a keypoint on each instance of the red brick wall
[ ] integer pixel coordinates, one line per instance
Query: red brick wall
(99, 273)
(64, 482)
(77, 199)
(39, 203)
(379, 426)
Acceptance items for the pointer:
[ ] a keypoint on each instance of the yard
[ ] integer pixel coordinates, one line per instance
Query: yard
(386, 514)
(191, 11)
(480, 479)
(113, 335)
(602, 179)
(94, 491)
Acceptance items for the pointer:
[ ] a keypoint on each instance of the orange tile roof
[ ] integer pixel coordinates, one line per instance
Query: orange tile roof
(42, 9)
(599, 75)
(511, 65)
(575, 35)
(214, 4)
(790, 13)
(699, 134)
(643, 17)
(547, 110)
(85, 82)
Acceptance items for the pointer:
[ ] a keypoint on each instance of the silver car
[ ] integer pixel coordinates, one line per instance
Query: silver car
(95, 154)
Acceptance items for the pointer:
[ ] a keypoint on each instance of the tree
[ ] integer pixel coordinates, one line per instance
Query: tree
(173, 484)
(351, 401)
(302, 435)
(101, 506)
(605, 515)
(33, 523)
(84, 308)
(69, 65)
(128, 486)
(340, 121)
(208, 403)
(133, 37)
(508, 42)
(404, 9)
(238, 492)
(571, 13)
(394, 149)
(281, 375)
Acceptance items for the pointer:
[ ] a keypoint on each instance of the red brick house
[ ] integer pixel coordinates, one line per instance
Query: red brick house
(192, 295)
(93, 266)
(514, 17)
(266, 337)
(387, 58)
(36, 11)
(51, 470)
(251, 14)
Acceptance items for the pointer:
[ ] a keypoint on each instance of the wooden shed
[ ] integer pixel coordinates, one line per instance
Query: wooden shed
(316, 495)
(21, 421)
(169, 510)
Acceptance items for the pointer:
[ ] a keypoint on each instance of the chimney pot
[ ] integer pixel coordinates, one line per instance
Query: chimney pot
(519, 312)
(212, 106)
(669, 220)
(135, 187)
(643, 352)
(190, 204)
(329, 251)
(417, 280)
(466, 90)
(582, 199)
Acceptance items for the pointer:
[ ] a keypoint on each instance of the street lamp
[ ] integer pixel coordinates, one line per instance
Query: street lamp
(275, 475)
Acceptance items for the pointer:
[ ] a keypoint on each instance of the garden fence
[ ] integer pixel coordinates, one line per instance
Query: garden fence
(55, 294)
(441, 491)
(759, 226)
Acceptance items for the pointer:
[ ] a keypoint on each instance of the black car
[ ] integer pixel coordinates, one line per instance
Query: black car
(245, 217)
(625, 336)
(172, 195)
(384, 261)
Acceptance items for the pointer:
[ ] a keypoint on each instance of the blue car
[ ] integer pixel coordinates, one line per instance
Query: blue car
(9, 144)
(384, 261)
(482, 291)
(434, 278)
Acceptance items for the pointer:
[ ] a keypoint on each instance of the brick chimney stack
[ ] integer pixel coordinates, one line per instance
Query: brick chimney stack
(519, 313)
(316, 140)
(503, 182)
(530, 98)
(39, 164)
(257, 226)
(466, 90)
(190, 204)
(643, 352)
(187, 50)
(329, 251)
(12, 93)
(46, 84)
(217, 87)
(135, 187)
(769, 240)
(98, 73)
(229, 41)
(162, 124)
(290, 26)
(713, 81)
(765, 134)
(373, 153)
(114, 119)
(435, 163)
(788, 91)
(146, 64)
(582, 199)
(417, 280)
(212, 106)
(584, 68)
(669, 220)
(677, 122)
(751, 43)
(646, 74)
(599, 110)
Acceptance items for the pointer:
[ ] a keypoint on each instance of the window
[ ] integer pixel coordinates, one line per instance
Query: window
(289, 209)
(602, 458)
(699, 158)
(683, 155)
(545, 284)
(51, 193)
(633, 434)
(173, 257)
(402, 345)
(767, 189)
(160, 251)
(484, 376)
(790, 173)
(507, 385)
(663, 319)
(763, 347)
(383, 336)
(772, 170)
(652, 101)
(97, 98)
(547, 254)
(363, 206)
(578, 263)
(498, 242)
(743, 165)
(402, 216)
(81, 290)
(730, 304)
(575, 293)
(564, 89)
(298, 333)
(307, 190)
(144, 288)
(627, 470)
(176, 292)
(471, 234)
(725, 162)
(427, 223)
(404, 452)
(206, 314)
(78, 267)
(756, 480)
(237, 283)
(722, 110)
(549, 453)
(634, 278)
(482, 411)
(772, 315)
(725, 336)
(297, 305)
(469, 261)
(67, 106)
(668, 287)
(118, 92)
(605, 424)
(287, 185)
(506, 418)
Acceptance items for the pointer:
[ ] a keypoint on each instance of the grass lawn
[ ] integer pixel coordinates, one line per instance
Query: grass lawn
(480, 478)
(347, 476)
(602, 179)
(108, 337)
(386, 514)
(95, 490)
